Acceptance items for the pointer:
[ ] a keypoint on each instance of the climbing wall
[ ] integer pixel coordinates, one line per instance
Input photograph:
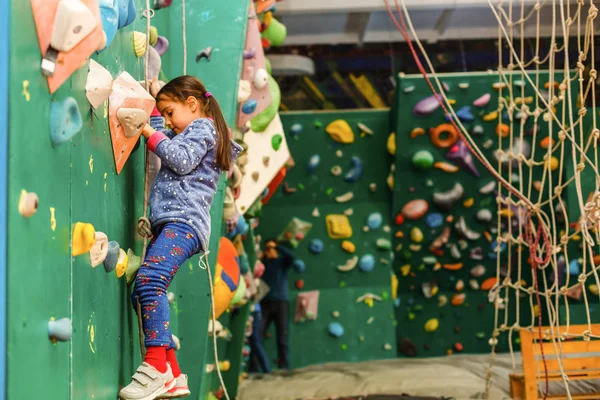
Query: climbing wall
(309, 193)
(77, 181)
(442, 302)
(4, 40)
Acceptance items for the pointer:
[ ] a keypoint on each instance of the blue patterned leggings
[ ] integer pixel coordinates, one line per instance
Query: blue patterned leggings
(172, 245)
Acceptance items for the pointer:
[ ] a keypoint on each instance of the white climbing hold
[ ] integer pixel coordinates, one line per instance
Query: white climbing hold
(349, 265)
(345, 197)
(316, 213)
(348, 212)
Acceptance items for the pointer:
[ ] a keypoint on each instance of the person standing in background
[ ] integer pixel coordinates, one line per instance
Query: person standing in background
(277, 260)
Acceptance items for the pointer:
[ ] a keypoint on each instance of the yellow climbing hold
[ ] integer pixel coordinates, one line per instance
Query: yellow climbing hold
(432, 325)
(139, 43)
(416, 235)
(338, 226)
(84, 237)
(348, 246)
(122, 263)
(451, 101)
(468, 203)
(391, 144)
(524, 100)
(405, 269)
(553, 164)
(593, 288)
(340, 131)
(394, 286)
(491, 116)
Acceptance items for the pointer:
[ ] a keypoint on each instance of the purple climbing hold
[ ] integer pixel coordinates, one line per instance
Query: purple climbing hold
(427, 105)
(162, 45)
(249, 53)
(460, 154)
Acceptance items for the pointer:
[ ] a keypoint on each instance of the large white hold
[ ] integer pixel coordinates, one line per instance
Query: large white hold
(74, 21)
(99, 84)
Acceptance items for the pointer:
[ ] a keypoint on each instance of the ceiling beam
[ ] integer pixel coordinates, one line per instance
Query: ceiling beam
(357, 23)
(288, 7)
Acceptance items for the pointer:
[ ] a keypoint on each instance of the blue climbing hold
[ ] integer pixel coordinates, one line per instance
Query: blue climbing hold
(265, 193)
(249, 106)
(574, 267)
(241, 228)
(60, 330)
(356, 170)
(336, 329)
(374, 220)
(314, 162)
(397, 302)
(366, 263)
(127, 12)
(464, 114)
(296, 129)
(109, 13)
(65, 121)
(434, 220)
(493, 254)
(411, 301)
(316, 246)
(112, 256)
(299, 265)
(131, 13)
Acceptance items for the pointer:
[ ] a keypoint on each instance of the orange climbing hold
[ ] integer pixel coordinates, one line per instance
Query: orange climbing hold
(446, 166)
(458, 299)
(443, 136)
(546, 142)
(489, 283)
(453, 267)
(502, 130)
(417, 132)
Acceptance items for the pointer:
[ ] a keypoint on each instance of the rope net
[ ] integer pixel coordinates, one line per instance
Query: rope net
(545, 247)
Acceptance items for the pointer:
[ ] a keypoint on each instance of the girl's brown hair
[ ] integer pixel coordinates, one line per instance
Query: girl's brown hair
(179, 89)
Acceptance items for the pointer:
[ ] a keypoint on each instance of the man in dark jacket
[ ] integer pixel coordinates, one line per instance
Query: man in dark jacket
(277, 260)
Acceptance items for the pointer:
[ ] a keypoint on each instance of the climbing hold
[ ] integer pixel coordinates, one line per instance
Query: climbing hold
(422, 159)
(434, 220)
(429, 260)
(499, 85)
(366, 263)
(276, 141)
(244, 91)
(453, 267)
(432, 325)
(443, 136)
(460, 285)
(383, 244)
(255, 176)
(344, 197)
(299, 284)
(441, 240)
(553, 163)
(415, 209)
(373, 187)
(407, 347)
(442, 300)
(99, 249)
(139, 43)
(463, 85)
(161, 46)
(409, 89)
(399, 220)
(60, 330)
(98, 85)
(484, 215)
(261, 78)
(490, 117)
(340, 131)
(335, 314)
(336, 329)
(112, 256)
(464, 231)
(488, 188)
(458, 299)
(122, 263)
(356, 170)
(474, 284)
(458, 347)
(454, 252)
(502, 130)
(374, 220)
(593, 288)
(483, 100)
(336, 170)
(338, 226)
(348, 246)
(477, 130)
(133, 265)
(416, 235)
(391, 144)
(132, 120)
(204, 53)
(316, 246)
(83, 238)
(249, 106)
(405, 269)
(299, 265)
(427, 106)
(313, 162)
(489, 283)
(171, 299)
(445, 200)
(459, 153)
(349, 265)
(546, 142)
(417, 132)
(446, 167)
(364, 129)
(574, 267)
(464, 114)
(28, 203)
(65, 121)
(296, 129)
(429, 289)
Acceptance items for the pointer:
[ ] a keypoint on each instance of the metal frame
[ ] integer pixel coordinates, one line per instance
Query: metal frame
(4, 58)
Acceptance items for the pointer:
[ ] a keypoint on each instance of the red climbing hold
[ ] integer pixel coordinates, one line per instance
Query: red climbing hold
(458, 347)
(399, 219)
(299, 284)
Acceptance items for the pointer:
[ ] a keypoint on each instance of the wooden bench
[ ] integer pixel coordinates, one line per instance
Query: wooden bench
(580, 360)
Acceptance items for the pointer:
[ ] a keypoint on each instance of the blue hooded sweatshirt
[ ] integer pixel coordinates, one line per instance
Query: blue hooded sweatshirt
(187, 181)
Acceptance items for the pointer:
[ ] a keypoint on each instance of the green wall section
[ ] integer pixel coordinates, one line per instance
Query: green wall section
(78, 181)
(309, 341)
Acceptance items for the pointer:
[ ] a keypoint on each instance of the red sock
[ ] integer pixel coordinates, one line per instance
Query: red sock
(156, 356)
(172, 359)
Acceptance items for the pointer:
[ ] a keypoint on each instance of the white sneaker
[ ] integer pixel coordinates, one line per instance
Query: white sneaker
(148, 383)
(180, 389)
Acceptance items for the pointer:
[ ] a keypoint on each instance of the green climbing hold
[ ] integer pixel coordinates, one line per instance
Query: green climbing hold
(411, 316)
(383, 244)
(342, 284)
(300, 186)
(268, 66)
(406, 255)
(421, 267)
(480, 335)
(423, 159)
(276, 141)
(329, 191)
(344, 347)
(385, 295)
(318, 124)
(275, 33)
(418, 307)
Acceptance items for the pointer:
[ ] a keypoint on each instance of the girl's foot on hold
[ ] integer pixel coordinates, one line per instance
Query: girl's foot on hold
(180, 389)
(148, 383)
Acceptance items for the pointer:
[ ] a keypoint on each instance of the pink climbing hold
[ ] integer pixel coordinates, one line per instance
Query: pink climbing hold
(482, 101)
(415, 209)
(427, 106)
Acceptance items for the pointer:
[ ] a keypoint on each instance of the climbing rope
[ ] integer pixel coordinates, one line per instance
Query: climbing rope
(203, 264)
(183, 26)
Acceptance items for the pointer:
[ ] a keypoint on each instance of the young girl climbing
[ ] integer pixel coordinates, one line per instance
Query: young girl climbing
(193, 151)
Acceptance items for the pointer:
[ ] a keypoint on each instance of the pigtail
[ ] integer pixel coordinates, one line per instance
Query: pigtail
(224, 155)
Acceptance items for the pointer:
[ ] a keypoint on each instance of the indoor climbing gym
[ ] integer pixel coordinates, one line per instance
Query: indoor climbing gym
(299, 200)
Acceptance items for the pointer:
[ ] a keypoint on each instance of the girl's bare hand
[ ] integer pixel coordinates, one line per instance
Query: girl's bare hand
(148, 131)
